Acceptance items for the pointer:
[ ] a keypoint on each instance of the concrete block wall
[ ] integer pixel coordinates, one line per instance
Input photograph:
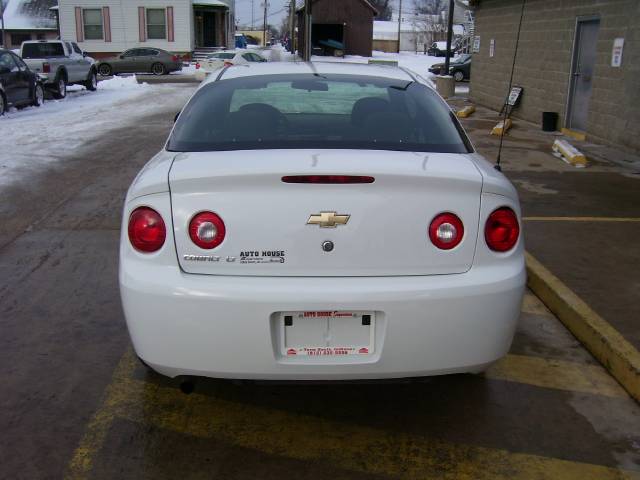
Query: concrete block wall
(543, 64)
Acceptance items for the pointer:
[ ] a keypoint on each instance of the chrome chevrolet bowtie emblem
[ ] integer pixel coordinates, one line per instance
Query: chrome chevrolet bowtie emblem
(328, 219)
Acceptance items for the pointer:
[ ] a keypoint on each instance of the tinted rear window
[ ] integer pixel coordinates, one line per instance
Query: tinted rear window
(42, 50)
(307, 111)
(223, 56)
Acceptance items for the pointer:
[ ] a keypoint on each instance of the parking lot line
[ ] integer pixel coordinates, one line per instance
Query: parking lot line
(115, 394)
(353, 447)
(305, 437)
(582, 219)
(556, 374)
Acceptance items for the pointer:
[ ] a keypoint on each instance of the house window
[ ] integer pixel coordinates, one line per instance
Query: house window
(156, 24)
(92, 18)
(18, 38)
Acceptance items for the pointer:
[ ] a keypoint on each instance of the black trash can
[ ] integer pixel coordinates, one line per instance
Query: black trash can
(549, 121)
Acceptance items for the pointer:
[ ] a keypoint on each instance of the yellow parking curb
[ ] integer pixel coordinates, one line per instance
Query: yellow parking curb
(574, 134)
(502, 127)
(603, 341)
(466, 111)
(569, 153)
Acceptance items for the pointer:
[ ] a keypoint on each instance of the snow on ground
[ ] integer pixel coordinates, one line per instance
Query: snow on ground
(58, 129)
(186, 70)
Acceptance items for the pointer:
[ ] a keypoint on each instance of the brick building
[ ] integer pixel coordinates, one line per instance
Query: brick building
(348, 22)
(568, 62)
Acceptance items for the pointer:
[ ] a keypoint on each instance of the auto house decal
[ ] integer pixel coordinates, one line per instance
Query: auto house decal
(262, 256)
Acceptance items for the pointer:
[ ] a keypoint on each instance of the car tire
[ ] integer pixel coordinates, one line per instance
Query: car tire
(38, 95)
(60, 88)
(3, 104)
(458, 76)
(92, 82)
(158, 69)
(105, 70)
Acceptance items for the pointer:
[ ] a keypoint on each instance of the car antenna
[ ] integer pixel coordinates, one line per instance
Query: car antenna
(513, 66)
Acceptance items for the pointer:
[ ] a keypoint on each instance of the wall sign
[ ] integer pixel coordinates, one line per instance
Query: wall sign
(476, 44)
(616, 54)
(492, 47)
(514, 96)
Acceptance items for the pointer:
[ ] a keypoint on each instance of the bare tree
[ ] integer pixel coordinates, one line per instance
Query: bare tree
(384, 9)
(430, 7)
(429, 21)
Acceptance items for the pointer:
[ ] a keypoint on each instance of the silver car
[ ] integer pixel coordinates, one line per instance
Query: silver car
(141, 60)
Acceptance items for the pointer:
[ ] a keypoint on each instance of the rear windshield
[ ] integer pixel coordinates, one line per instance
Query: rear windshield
(224, 56)
(317, 111)
(42, 50)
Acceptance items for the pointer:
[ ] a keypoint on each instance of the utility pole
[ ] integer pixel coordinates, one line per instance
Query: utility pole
(449, 36)
(2, 21)
(399, 23)
(264, 28)
(292, 22)
(253, 16)
(308, 23)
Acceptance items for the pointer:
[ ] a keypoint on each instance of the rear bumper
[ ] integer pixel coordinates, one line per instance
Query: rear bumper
(222, 326)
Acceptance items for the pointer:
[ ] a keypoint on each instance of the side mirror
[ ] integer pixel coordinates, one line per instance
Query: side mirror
(121, 57)
(85, 54)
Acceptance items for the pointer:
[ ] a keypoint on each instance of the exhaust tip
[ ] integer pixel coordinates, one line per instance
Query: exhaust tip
(187, 387)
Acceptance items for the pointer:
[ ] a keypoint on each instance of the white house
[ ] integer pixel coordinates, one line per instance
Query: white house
(107, 27)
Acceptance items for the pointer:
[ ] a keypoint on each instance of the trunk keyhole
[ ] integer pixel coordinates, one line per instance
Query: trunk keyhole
(327, 246)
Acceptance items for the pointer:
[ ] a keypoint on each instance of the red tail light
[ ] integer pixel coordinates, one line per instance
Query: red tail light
(147, 231)
(329, 179)
(502, 230)
(446, 231)
(207, 230)
(197, 66)
(175, 58)
(46, 68)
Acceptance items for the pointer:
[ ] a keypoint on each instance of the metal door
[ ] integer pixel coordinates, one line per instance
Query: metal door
(582, 69)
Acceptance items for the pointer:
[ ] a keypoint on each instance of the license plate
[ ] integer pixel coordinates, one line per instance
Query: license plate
(327, 333)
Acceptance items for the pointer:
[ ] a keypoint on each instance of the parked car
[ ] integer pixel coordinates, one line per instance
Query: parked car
(141, 60)
(438, 49)
(218, 60)
(19, 86)
(60, 64)
(320, 221)
(459, 67)
(230, 57)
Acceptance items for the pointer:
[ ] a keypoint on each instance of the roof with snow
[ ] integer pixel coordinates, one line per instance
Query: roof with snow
(29, 14)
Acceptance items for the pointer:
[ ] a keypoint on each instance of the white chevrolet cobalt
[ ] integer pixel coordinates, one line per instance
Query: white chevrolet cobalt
(320, 221)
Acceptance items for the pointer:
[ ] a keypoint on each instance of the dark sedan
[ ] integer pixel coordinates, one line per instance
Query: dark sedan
(460, 68)
(19, 86)
(141, 60)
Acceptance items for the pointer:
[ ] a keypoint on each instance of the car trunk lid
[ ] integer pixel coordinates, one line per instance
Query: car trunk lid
(381, 228)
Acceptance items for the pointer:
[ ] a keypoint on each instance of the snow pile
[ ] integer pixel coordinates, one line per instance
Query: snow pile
(186, 70)
(122, 83)
(60, 128)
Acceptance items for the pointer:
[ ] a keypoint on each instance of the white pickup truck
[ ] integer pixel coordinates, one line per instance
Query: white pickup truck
(60, 63)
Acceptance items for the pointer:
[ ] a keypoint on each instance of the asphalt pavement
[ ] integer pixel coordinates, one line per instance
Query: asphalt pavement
(75, 403)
